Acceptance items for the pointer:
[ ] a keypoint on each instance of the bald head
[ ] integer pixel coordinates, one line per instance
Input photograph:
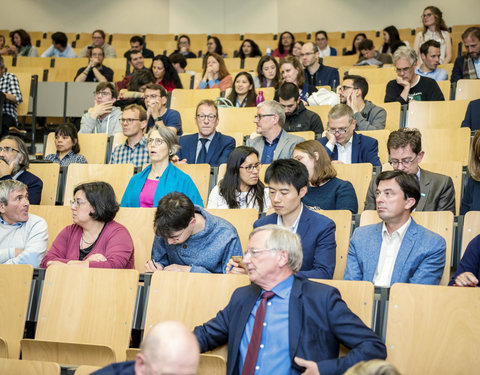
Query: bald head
(169, 348)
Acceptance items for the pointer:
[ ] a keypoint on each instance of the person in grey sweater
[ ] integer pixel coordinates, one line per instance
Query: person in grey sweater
(368, 115)
(189, 239)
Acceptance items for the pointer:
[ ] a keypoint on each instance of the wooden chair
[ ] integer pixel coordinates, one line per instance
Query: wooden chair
(382, 137)
(87, 325)
(337, 61)
(24, 367)
(376, 94)
(189, 125)
(440, 222)
(448, 68)
(268, 92)
(232, 63)
(92, 146)
(57, 218)
(467, 89)
(48, 173)
(200, 174)
(34, 70)
(445, 88)
(471, 228)
(118, 65)
(431, 329)
(343, 229)
(24, 81)
(436, 115)
(117, 175)
(307, 135)
(359, 175)
(15, 282)
(455, 149)
(86, 370)
(322, 111)
(259, 36)
(393, 114)
(251, 63)
(375, 76)
(65, 69)
(181, 296)
(186, 79)
(159, 37)
(118, 139)
(40, 62)
(211, 364)
(183, 98)
(237, 120)
(349, 35)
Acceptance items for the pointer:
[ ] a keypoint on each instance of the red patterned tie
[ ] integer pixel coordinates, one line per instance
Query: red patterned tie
(252, 352)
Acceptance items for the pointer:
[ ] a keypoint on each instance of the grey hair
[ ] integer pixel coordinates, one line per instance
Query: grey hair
(168, 136)
(404, 52)
(7, 186)
(283, 239)
(21, 161)
(340, 110)
(276, 108)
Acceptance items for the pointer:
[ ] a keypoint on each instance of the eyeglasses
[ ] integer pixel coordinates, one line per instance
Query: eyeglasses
(405, 162)
(8, 149)
(403, 70)
(177, 237)
(210, 117)
(129, 121)
(249, 168)
(338, 131)
(259, 116)
(343, 88)
(255, 252)
(153, 96)
(307, 54)
(102, 93)
(76, 202)
(155, 141)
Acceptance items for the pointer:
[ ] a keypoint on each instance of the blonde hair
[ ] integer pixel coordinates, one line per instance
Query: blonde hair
(373, 367)
(323, 169)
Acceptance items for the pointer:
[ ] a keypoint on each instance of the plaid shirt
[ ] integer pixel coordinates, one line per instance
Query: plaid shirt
(124, 154)
(9, 85)
(68, 159)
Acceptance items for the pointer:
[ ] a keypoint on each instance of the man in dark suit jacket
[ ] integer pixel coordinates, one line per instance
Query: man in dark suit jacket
(472, 117)
(464, 65)
(208, 145)
(342, 143)
(304, 321)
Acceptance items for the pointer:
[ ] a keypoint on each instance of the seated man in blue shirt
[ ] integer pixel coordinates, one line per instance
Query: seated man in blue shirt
(343, 144)
(207, 146)
(430, 54)
(155, 97)
(299, 330)
(59, 47)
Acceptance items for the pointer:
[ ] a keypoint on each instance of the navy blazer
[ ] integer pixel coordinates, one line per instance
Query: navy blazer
(34, 185)
(218, 151)
(317, 233)
(472, 117)
(318, 321)
(364, 149)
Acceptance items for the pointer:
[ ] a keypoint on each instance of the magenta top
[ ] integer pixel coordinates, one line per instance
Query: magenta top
(148, 193)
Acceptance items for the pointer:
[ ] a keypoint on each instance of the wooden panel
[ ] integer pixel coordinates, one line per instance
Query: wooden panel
(24, 367)
(456, 149)
(182, 98)
(24, 81)
(86, 370)
(382, 137)
(471, 228)
(468, 89)
(48, 173)
(375, 76)
(322, 111)
(200, 174)
(359, 175)
(237, 120)
(436, 115)
(212, 365)
(57, 218)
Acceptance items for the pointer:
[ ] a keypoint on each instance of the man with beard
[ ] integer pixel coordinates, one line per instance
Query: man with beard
(468, 66)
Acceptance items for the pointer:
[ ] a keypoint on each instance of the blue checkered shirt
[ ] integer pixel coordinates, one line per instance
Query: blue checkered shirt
(68, 159)
(9, 85)
(138, 155)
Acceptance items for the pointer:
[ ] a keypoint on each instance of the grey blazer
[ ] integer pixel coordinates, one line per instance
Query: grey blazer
(437, 193)
(284, 148)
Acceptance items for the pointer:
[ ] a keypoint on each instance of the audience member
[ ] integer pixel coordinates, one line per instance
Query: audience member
(471, 195)
(356, 42)
(189, 239)
(95, 71)
(391, 40)
(268, 72)
(12, 96)
(298, 118)
(372, 367)
(468, 271)
(370, 56)
(286, 41)
(396, 250)
(137, 85)
(214, 46)
(408, 85)
(208, 145)
(134, 149)
(161, 177)
(169, 348)
(68, 149)
(137, 63)
(352, 93)
(4, 49)
(468, 66)
(137, 43)
(305, 321)
(343, 144)
(243, 91)
(292, 71)
(165, 74)
(23, 236)
(241, 187)
(103, 117)
(215, 74)
(434, 28)
(405, 153)
(297, 50)
(430, 54)
(472, 116)
(155, 97)
(325, 190)
(179, 62)
(94, 240)
(317, 74)
(183, 47)
(59, 47)
(274, 142)
(22, 44)
(249, 49)
(98, 40)
(14, 163)
(321, 38)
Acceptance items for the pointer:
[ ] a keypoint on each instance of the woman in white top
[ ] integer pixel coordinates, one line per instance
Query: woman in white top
(241, 187)
(436, 29)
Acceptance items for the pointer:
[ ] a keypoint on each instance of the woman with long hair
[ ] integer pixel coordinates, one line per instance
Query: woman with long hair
(391, 40)
(241, 186)
(215, 74)
(292, 71)
(249, 49)
(183, 47)
(243, 91)
(22, 44)
(356, 42)
(325, 190)
(471, 196)
(165, 74)
(434, 27)
(268, 72)
(286, 41)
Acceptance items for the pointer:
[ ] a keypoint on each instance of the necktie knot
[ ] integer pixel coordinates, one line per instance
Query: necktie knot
(204, 141)
(268, 295)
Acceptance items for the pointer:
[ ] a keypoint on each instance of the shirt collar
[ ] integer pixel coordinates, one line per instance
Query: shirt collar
(349, 143)
(17, 224)
(210, 137)
(400, 231)
(283, 288)
(295, 224)
(275, 140)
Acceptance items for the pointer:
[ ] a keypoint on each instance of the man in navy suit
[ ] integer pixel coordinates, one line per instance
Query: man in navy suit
(467, 66)
(397, 250)
(287, 181)
(304, 321)
(208, 145)
(343, 144)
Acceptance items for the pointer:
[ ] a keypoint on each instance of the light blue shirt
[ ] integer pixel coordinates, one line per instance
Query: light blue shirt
(273, 354)
(438, 74)
(476, 63)
(67, 52)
